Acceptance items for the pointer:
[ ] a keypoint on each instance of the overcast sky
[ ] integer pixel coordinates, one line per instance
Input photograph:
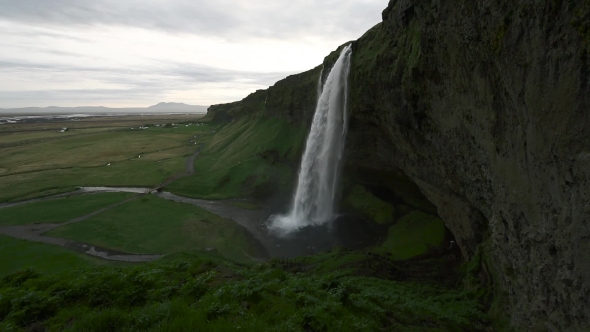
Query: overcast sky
(122, 53)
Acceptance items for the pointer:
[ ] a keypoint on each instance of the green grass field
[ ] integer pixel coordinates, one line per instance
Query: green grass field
(23, 138)
(155, 225)
(365, 203)
(40, 163)
(242, 158)
(60, 209)
(128, 173)
(89, 150)
(20, 254)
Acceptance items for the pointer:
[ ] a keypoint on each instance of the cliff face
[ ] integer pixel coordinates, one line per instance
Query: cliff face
(485, 106)
(292, 98)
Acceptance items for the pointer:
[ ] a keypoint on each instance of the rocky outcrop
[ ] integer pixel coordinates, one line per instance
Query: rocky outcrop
(292, 98)
(484, 105)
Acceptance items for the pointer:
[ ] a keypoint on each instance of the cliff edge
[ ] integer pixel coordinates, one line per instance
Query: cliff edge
(484, 105)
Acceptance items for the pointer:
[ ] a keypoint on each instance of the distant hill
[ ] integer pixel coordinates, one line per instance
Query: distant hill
(158, 108)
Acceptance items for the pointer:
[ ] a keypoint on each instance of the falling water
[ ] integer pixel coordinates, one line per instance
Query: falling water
(314, 199)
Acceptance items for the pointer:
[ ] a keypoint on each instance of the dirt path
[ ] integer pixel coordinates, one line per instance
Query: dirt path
(190, 162)
(189, 169)
(69, 193)
(35, 233)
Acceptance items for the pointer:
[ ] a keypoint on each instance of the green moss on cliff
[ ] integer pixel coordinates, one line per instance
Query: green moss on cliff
(501, 32)
(394, 184)
(413, 47)
(366, 204)
(581, 22)
(414, 235)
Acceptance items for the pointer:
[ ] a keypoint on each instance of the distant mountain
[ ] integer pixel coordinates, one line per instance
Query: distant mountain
(158, 108)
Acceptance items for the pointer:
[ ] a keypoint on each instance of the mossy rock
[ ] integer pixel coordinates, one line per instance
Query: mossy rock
(365, 203)
(413, 235)
(395, 187)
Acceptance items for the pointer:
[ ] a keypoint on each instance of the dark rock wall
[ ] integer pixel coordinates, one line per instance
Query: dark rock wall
(485, 106)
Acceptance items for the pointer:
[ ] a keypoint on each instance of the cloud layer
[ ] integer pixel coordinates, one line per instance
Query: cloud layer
(133, 53)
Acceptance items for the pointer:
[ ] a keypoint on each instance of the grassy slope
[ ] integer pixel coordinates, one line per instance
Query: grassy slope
(365, 203)
(19, 254)
(59, 210)
(413, 235)
(242, 157)
(199, 294)
(154, 225)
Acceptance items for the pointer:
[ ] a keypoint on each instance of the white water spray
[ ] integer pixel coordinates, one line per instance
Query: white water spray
(314, 200)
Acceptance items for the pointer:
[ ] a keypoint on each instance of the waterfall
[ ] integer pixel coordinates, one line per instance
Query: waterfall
(315, 197)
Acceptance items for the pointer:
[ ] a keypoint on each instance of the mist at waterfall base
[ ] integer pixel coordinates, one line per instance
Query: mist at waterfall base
(314, 201)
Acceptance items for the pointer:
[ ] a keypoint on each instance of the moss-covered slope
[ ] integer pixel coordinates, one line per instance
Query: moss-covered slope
(338, 291)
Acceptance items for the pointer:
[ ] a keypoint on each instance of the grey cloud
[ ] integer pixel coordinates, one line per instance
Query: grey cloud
(79, 94)
(182, 72)
(221, 18)
(78, 97)
(142, 84)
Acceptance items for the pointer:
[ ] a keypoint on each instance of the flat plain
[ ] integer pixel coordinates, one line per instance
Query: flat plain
(37, 162)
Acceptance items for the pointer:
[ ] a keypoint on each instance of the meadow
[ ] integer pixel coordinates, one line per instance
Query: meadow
(17, 255)
(59, 210)
(35, 162)
(154, 225)
(249, 157)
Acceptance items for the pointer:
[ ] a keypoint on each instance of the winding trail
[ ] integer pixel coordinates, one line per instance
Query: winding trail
(35, 232)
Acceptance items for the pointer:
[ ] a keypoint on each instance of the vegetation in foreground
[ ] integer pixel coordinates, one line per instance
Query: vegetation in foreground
(20, 254)
(203, 293)
(250, 157)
